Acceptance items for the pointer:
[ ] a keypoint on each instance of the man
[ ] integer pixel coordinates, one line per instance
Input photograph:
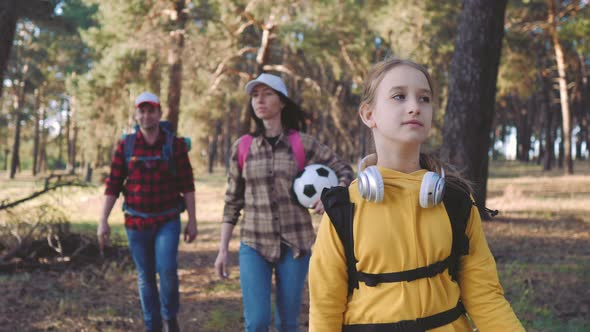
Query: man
(152, 169)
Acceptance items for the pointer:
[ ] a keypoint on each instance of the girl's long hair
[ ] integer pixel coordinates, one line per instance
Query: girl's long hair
(292, 116)
(429, 161)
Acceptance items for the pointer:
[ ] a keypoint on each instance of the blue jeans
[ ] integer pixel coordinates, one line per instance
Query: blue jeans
(155, 251)
(256, 282)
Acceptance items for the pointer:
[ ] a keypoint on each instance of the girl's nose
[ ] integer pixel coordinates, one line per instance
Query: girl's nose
(413, 107)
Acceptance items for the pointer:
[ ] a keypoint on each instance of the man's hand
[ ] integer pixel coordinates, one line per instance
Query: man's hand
(221, 264)
(104, 235)
(190, 231)
(318, 207)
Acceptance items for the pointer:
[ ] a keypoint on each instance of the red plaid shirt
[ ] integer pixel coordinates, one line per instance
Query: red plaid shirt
(149, 186)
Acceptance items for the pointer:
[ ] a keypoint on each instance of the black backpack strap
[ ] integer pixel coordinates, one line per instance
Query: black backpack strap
(168, 147)
(419, 325)
(340, 209)
(128, 147)
(429, 271)
(458, 204)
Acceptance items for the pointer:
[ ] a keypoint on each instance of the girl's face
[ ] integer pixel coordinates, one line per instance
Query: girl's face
(266, 102)
(402, 108)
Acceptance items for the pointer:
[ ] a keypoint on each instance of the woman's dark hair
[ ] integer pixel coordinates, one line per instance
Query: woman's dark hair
(292, 116)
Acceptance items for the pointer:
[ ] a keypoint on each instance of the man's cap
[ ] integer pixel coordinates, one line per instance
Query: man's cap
(147, 97)
(274, 82)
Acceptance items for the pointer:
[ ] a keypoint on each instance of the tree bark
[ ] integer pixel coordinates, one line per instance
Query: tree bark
(8, 19)
(154, 76)
(73, 136)
(37, 110)
(10, 12)
(19, 104)
(227, 133)
(42, 164)
(175, 64)
(584, 91)
(6, 153)
(563, 95)
(15, 163)
(472, 91)
(213, 145)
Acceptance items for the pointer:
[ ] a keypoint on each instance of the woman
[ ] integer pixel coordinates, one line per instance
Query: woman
(412, 269)
(276, 232)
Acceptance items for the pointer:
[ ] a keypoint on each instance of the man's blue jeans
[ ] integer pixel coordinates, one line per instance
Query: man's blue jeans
(256, 282)
(155, 251)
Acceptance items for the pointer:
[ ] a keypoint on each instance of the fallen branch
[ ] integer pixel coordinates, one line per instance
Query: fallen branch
(47, 188)
(21, 244)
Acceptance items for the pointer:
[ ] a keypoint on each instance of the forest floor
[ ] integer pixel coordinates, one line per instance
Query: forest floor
(541, 242)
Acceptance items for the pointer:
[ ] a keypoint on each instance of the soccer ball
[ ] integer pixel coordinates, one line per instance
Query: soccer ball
(309, 184)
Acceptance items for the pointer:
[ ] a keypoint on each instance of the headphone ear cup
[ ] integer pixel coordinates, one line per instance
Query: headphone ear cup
(439, 191)
(370, 184)
(431, 190)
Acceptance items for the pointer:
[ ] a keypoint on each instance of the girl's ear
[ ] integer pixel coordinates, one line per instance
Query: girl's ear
(367, 115)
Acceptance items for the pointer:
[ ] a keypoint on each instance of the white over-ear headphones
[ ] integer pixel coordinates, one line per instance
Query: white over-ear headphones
(370, 183)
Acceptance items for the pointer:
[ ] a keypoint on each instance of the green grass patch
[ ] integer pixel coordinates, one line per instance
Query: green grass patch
(87, 227)
(223, 319)
(534, 302)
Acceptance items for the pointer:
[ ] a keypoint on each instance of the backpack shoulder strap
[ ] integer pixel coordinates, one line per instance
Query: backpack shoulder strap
(297, 147)
(166, 126)
(458, 204)
(168, 148)
(129, 146)
(243, 149)
(340, 209)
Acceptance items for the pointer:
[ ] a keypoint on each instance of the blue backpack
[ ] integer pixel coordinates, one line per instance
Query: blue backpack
(167, 154)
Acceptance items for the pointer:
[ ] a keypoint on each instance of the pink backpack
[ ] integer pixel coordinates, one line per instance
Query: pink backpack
(294, 140)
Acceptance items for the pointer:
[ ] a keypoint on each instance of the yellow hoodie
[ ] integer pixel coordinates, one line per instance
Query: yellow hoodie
(398, 235)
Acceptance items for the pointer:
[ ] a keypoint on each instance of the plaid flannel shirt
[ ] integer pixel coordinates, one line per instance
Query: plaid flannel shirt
(149, 186)
(263, 191)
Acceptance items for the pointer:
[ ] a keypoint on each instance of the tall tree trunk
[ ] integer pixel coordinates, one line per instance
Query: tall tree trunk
(563, 95)
(68, 133)
(37, 110)
(548, 116)
(154, 76)
(227, 133)
(42, 164)
(6, 153)
(73, 136)
(175, 63)
(88, 171)
(19, 103)
(585, 105)
(213, 145)
(8, 19)
(472, 91)
(60, 148)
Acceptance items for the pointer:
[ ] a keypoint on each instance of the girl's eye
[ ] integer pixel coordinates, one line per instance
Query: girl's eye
(399, 97)
(425, 99)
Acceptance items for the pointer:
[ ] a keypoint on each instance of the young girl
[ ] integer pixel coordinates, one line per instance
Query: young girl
(416, 269)
(276, 232)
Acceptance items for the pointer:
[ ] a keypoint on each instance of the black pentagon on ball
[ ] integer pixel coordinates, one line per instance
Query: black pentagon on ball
(323, 172)
(309, 190)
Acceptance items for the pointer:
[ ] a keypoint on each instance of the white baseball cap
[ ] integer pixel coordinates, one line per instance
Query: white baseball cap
(147, 97)
(275, 82)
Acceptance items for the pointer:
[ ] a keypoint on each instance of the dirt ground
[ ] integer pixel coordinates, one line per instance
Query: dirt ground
(542, 252)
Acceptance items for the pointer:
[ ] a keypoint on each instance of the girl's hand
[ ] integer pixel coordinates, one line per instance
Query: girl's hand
(318, 207)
